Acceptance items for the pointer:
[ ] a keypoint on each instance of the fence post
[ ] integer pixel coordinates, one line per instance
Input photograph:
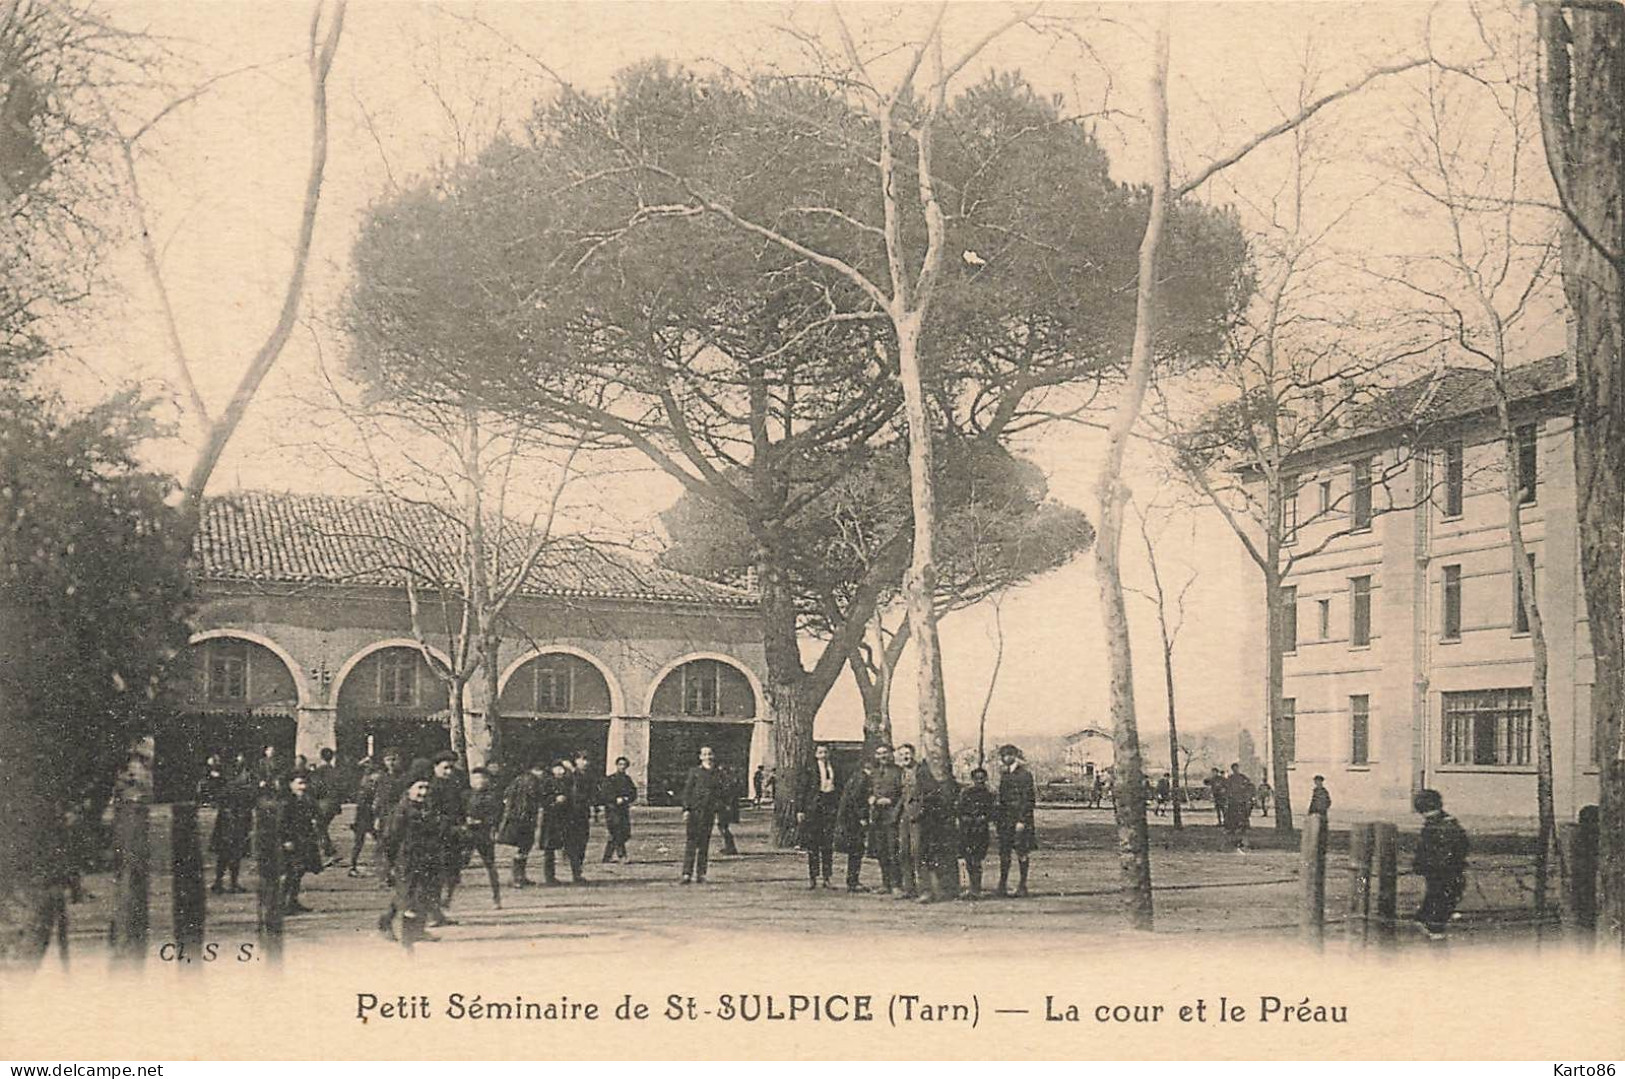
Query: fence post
(1362, 841)
(132, 853)
(268, 864)
(1387, 859)
(1312, 919)
(1580, 845)
(186, 861)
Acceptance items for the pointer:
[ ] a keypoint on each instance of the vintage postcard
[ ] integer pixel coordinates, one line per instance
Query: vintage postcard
(701, 530)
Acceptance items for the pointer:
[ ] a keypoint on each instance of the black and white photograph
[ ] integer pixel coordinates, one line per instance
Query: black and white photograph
(572, 529)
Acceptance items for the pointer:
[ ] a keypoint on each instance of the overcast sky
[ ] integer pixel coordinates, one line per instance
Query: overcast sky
(416, 85)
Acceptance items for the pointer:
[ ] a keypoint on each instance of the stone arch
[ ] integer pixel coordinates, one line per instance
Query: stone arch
(759, 699)
(378, 646)
(617, 702)
(301, 677)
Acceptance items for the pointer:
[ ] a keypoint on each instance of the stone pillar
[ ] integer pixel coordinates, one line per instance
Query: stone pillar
(629, 738)
(318, 730)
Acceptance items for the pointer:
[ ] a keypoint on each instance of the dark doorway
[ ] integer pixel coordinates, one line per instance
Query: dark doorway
(547, 740)
(183, 745)
(415, 737)
(674, 748)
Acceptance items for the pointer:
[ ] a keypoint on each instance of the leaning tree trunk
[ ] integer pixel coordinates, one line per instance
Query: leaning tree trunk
(1281, 749)
(1583, 121)
(1173, 730)
(786, 680)
(1133, 847)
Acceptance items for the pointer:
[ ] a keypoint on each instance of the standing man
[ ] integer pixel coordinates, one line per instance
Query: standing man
(817, 803)
(481, 810)
(414, 840)
(617, 794)
(327, 787)
(386, 796)
(758, 783)
(1265, 793)
(911, 821)
(583, 800)
(703, 793)
(1441, 860)
(366, 812)
(233, 832)
(446, 802)
(555, 836)
(852, 826)
(885, 810)
(1238, 811)
(1164, 789)
(1221, 806)
(521, 805)
(728, 807)
(301, 848)
(1017, 797)
(1320, 801)
(976, 810)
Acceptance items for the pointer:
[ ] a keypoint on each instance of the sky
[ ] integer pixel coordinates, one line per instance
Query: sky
(416, 85)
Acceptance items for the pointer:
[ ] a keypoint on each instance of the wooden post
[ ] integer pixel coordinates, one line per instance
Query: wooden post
(1387, 859)
(1312, 920)
(268, 863)
(1580, 844)
(1362, 843)
(186, 861)
(132, 852)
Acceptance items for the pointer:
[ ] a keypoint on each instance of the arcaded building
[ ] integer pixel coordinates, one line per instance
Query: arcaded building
(304, 639)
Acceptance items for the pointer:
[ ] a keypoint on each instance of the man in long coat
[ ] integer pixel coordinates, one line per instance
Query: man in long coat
(578, 829)
(1017, 797)
(976, 811)
(1238, 806)
(885, 808)
(555, 799)
(917, 783)
(852, 827)
(415, 839)
(817, 802)
(703, 792)
(301, 844)
(617, 794)
(521, 806)
(386, 796)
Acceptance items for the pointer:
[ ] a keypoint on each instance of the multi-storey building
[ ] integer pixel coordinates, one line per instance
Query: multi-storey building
(304, 639)
(1408, 661)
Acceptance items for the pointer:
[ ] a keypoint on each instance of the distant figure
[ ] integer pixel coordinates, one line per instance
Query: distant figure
(233, 827)
(1320, 801)
(1441, 860)
(1215, 790)
(772, 785)
(618, 793)
(1164, 789)
(1238, 810)
(1097, 791)
(728, 808)
(758, 784)
(1265, 793)
(301, 846)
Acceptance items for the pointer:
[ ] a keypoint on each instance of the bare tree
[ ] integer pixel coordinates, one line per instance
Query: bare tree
(325, 29)
(1582, 107)
(1170, 605)
(1492, 277)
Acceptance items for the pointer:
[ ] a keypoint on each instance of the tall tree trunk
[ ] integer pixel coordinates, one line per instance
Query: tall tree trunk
(1173, 723)
(1132, 841)
(1281, 748)
(491, 671)
(477, 568)
(920, 584)
(876, 725)
(992, 683)
(1583, 121)
(792, 722)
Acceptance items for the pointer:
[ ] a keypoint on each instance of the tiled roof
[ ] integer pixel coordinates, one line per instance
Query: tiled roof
(1449, 393)
(302, 538)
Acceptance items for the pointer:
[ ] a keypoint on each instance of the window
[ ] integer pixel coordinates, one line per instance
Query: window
(1451, 630)
(1289, 510)
(701, 691)
(1287, 619)
(553, 685)
(1360, 729)
(1520, 615)
(1289, 727)
(1325, 619)
(1359, 611)
(1360, 490)
(1454, 478)
(1487, 727)
(398, 677)
(1528, 462)
(1325, 496)
(228, 670)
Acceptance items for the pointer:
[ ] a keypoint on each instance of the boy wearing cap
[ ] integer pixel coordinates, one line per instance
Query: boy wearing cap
(301, 847)
(414, 846)
(617, 794)
(976, 809)
(578, 827)
(555, 798)
(1441, 860)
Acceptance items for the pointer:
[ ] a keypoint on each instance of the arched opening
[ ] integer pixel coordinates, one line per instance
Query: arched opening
(707, 700)
(391, 697)
(552, 705)
(237, 698)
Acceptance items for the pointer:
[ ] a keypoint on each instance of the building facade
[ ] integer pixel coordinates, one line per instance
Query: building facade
(304, 640)
(1408, 660)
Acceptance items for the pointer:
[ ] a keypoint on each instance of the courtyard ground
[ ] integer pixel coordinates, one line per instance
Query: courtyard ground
(1203, 890)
